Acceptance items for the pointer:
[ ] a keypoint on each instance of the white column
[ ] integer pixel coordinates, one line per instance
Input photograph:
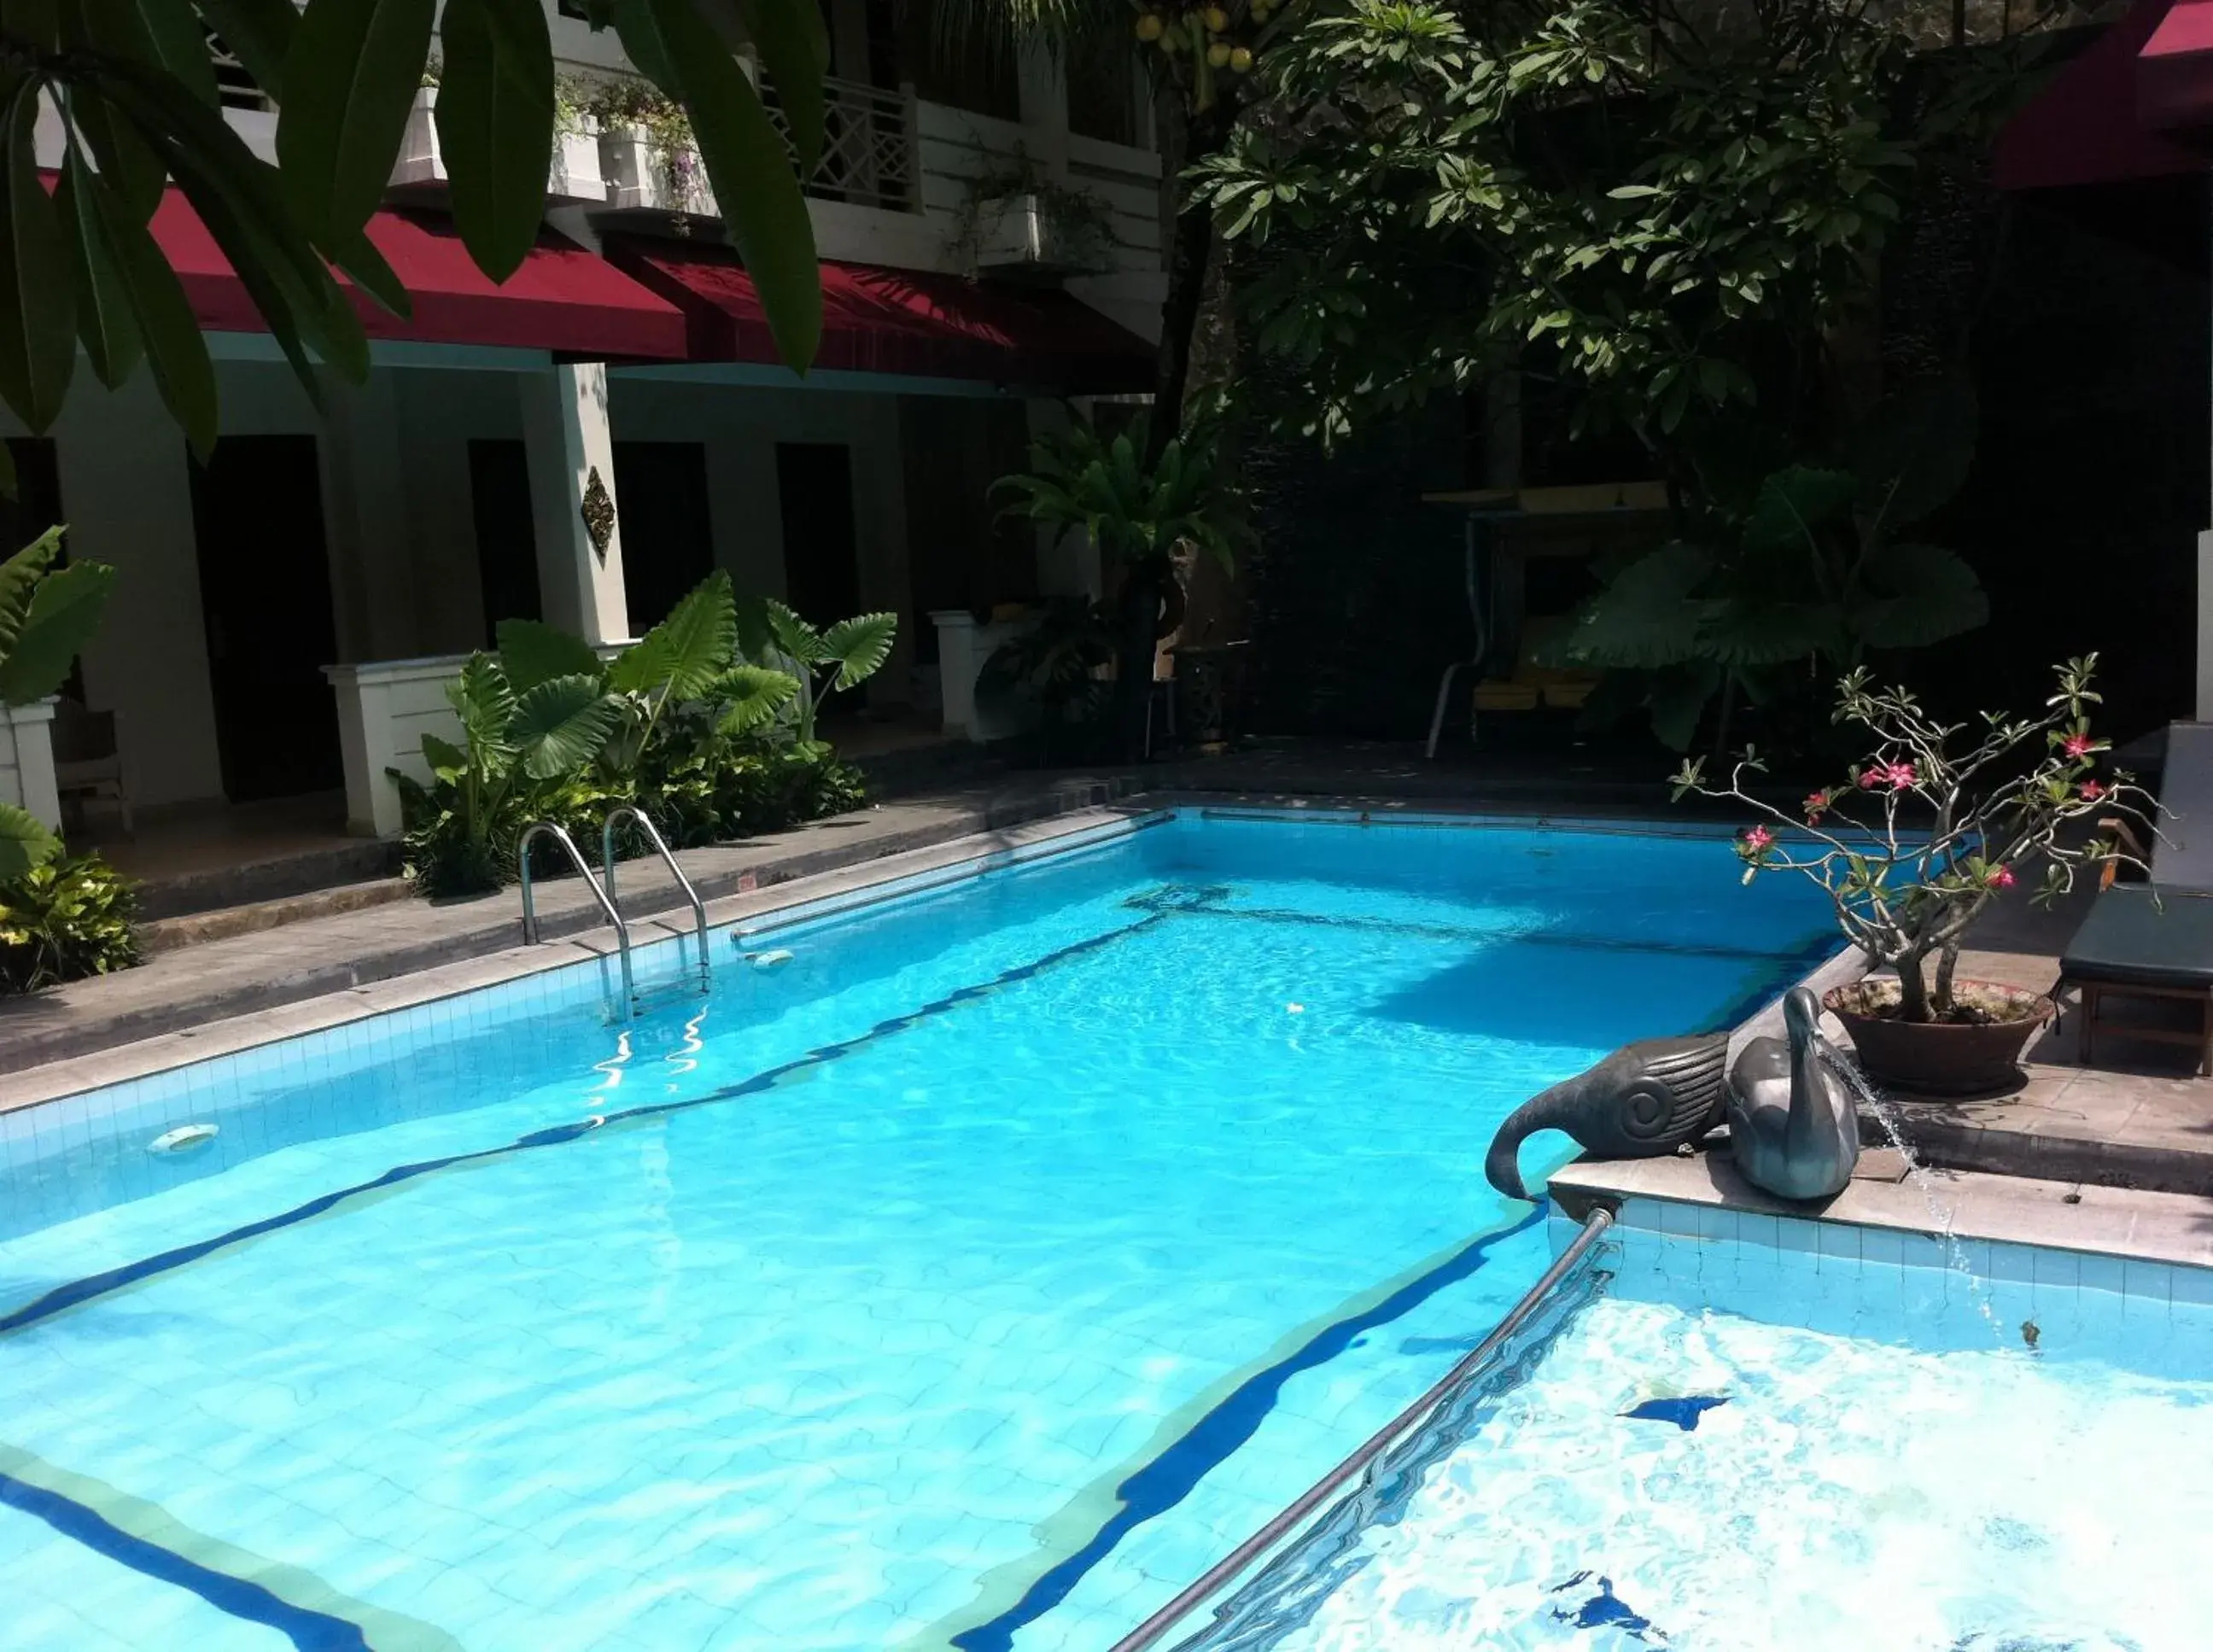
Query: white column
(566, 434)
(128, 497)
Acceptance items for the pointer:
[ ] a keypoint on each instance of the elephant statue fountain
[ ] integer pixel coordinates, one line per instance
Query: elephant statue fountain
(1644, 1099)
(1793, 1125)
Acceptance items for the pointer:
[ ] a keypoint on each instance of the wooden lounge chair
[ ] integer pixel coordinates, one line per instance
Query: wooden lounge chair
(2155, 940)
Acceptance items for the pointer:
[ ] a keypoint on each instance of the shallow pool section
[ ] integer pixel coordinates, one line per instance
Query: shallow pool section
(970, 1277)
(1746, 1434)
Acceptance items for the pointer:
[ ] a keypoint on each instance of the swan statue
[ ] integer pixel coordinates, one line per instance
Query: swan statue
(1794, 1128)
(1644, 1099)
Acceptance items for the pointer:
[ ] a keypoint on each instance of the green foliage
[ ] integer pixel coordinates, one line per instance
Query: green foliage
(821, 662)
(519, 750)
(25, 842)
(1664, 213)
(46, 617)
(1187, 501)
(1799, 567)
(138, 99)
(707, 741)
(63, 920)
(1055, 661)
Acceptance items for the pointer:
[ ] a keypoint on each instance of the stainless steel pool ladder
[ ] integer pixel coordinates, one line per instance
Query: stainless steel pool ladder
(631, 811)
(537, 829)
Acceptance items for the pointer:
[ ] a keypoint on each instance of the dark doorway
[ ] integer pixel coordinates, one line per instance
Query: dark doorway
(661, 512)
(265, 598)
(36, 505)
(506, 546)
(821, 562)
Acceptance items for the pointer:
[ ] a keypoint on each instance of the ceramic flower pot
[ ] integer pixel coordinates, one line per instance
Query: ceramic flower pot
(1976, 1056)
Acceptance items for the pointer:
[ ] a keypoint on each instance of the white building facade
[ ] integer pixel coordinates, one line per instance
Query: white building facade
(283, 619)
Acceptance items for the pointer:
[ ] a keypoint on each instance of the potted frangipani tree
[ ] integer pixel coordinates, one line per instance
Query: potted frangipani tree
(1919, 839)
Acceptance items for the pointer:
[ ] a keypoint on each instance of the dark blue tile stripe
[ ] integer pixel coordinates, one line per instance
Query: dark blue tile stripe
(1168, 1479)
(93, 1286)
(311, 1632)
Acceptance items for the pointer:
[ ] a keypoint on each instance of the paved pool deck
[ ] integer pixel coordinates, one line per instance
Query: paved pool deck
(192, 988)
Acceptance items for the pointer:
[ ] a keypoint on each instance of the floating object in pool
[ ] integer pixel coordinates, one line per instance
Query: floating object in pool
(1604, 1610)
(1794, 1124)
(184, 1138)
(1639, 1102)
(1683, 1412)
(2031, 1333)
(1294, 1008)
(775, 959)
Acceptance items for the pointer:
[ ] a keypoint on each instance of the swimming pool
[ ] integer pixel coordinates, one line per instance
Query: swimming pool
(969, 1269)
(1748, 1433)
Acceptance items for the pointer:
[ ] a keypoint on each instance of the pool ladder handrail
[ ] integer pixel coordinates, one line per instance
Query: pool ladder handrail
(1178, 1613)
(653, 836)
(531, 933)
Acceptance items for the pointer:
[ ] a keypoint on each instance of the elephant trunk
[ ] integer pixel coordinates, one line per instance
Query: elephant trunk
(1551, 1109)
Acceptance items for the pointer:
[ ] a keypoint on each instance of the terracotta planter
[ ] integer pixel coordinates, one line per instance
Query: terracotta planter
(1959, 1059)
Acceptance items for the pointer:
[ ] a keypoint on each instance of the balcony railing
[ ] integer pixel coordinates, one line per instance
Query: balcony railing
(868, 146)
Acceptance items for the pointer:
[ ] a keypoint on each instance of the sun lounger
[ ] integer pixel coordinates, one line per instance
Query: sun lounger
(2155, 940)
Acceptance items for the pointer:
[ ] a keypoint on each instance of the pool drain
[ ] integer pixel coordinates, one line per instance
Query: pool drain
(184, 1138)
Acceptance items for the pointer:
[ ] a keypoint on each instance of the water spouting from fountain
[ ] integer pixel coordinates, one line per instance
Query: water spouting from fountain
(1941, 1213)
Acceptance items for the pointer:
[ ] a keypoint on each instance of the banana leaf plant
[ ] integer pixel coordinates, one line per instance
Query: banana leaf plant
(688, 662)
(517, 744)
(821, 660)
(1805, 566)
(47, 615)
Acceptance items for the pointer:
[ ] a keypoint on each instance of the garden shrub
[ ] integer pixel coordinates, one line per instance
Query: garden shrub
(711, 739)
(64, 920)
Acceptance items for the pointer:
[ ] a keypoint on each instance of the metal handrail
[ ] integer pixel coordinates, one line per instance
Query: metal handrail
(530, 929)
(1447, 1388)
(653, 836)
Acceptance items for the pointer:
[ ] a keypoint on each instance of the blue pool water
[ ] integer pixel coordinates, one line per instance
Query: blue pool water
(1743, 1434)
(973, 1277)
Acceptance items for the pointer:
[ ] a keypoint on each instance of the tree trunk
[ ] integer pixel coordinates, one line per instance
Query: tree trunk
(1145, 588)
(1912, 987)
(1727, 716)
(1940, 1000)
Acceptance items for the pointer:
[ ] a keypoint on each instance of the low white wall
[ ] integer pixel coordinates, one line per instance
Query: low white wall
(385, 708)
(27, 760)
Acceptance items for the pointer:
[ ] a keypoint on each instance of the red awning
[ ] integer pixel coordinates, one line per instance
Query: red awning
(2089, 126)
(2174, 71)
(563, 299)
(905, 322)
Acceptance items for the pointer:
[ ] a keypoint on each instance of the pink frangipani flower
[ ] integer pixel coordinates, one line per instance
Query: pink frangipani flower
(2075, 745)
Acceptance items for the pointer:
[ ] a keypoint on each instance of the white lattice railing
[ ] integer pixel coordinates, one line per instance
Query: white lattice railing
(868, 146)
